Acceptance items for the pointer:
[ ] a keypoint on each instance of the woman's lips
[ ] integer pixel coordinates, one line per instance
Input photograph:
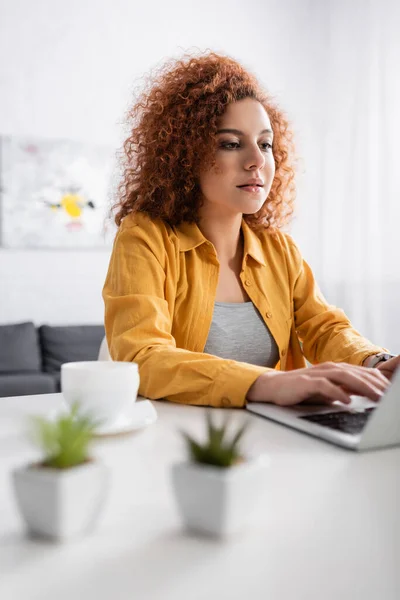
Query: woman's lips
(250, 188)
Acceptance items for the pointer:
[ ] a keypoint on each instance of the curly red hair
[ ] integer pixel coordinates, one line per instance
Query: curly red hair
(173, 129)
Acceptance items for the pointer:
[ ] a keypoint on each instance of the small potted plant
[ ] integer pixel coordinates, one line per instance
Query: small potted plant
(62, 496)
(218, 489)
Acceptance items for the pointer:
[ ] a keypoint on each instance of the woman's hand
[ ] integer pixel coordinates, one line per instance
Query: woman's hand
(388, 367)
(322, 384)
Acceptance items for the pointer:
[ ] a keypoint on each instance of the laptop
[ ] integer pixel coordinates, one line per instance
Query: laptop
(361, 425)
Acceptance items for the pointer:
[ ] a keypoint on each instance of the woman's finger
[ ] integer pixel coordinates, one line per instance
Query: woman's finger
(319, 390)
(357, 385)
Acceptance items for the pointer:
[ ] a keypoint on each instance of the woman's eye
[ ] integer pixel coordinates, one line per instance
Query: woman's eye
(266, 146)
(229, 145)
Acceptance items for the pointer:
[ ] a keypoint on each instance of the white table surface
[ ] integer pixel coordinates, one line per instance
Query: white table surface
(330, 529)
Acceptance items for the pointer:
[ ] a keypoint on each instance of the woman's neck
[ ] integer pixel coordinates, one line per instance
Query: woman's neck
(225, 235)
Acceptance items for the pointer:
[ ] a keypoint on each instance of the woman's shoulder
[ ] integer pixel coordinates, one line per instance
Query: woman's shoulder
(141, 225)
(142, 221)
(139, 230)
(276, 238)
(281, 244)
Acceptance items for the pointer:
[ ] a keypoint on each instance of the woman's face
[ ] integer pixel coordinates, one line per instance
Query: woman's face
(244, 169)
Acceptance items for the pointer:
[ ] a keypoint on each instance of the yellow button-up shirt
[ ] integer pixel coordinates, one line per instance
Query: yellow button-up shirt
(159, 298)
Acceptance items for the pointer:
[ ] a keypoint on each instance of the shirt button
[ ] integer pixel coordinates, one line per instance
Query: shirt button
(247, 282)
(283, 352)
(268, 315)
(226, 402)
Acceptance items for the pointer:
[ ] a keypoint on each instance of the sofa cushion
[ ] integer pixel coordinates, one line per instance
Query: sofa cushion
(68, 344)
(23, 384)
(19, 348)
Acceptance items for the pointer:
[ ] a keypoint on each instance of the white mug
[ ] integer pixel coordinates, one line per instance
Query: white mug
(104, 389)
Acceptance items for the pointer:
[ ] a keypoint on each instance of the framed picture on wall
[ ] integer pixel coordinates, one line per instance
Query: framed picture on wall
(55, 194)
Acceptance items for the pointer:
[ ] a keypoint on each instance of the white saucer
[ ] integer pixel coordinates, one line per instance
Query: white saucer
(141, 414)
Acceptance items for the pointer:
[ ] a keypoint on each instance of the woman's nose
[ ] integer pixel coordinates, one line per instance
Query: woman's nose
(254, 159)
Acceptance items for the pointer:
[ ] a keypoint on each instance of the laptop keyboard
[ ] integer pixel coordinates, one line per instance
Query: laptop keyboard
(348, 422)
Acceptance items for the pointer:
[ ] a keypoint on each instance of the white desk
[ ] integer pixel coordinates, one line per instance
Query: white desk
(330, 531)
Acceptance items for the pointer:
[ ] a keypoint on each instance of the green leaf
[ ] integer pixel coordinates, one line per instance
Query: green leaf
(239, 434)
(64, 442)
(216, 451)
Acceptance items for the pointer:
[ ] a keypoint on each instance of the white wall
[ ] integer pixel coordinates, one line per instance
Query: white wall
(67, 71)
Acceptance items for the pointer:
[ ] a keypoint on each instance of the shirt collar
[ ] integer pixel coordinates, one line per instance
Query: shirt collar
(190, 237)
(252, 244)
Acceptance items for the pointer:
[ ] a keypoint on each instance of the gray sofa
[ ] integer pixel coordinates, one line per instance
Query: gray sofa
(31, 357)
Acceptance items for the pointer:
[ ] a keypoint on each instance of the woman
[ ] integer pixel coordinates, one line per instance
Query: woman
(203, 291)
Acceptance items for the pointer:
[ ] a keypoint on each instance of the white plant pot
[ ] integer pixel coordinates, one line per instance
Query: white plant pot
(219, 501)
(61, 504)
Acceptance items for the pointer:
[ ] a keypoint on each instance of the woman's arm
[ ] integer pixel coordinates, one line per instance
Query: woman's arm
(324, 330)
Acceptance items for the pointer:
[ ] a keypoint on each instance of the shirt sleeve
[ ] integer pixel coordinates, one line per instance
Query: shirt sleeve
(324, 330)
(138, 328)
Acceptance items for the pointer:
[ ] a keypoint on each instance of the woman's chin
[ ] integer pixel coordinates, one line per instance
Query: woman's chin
(252, 208)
